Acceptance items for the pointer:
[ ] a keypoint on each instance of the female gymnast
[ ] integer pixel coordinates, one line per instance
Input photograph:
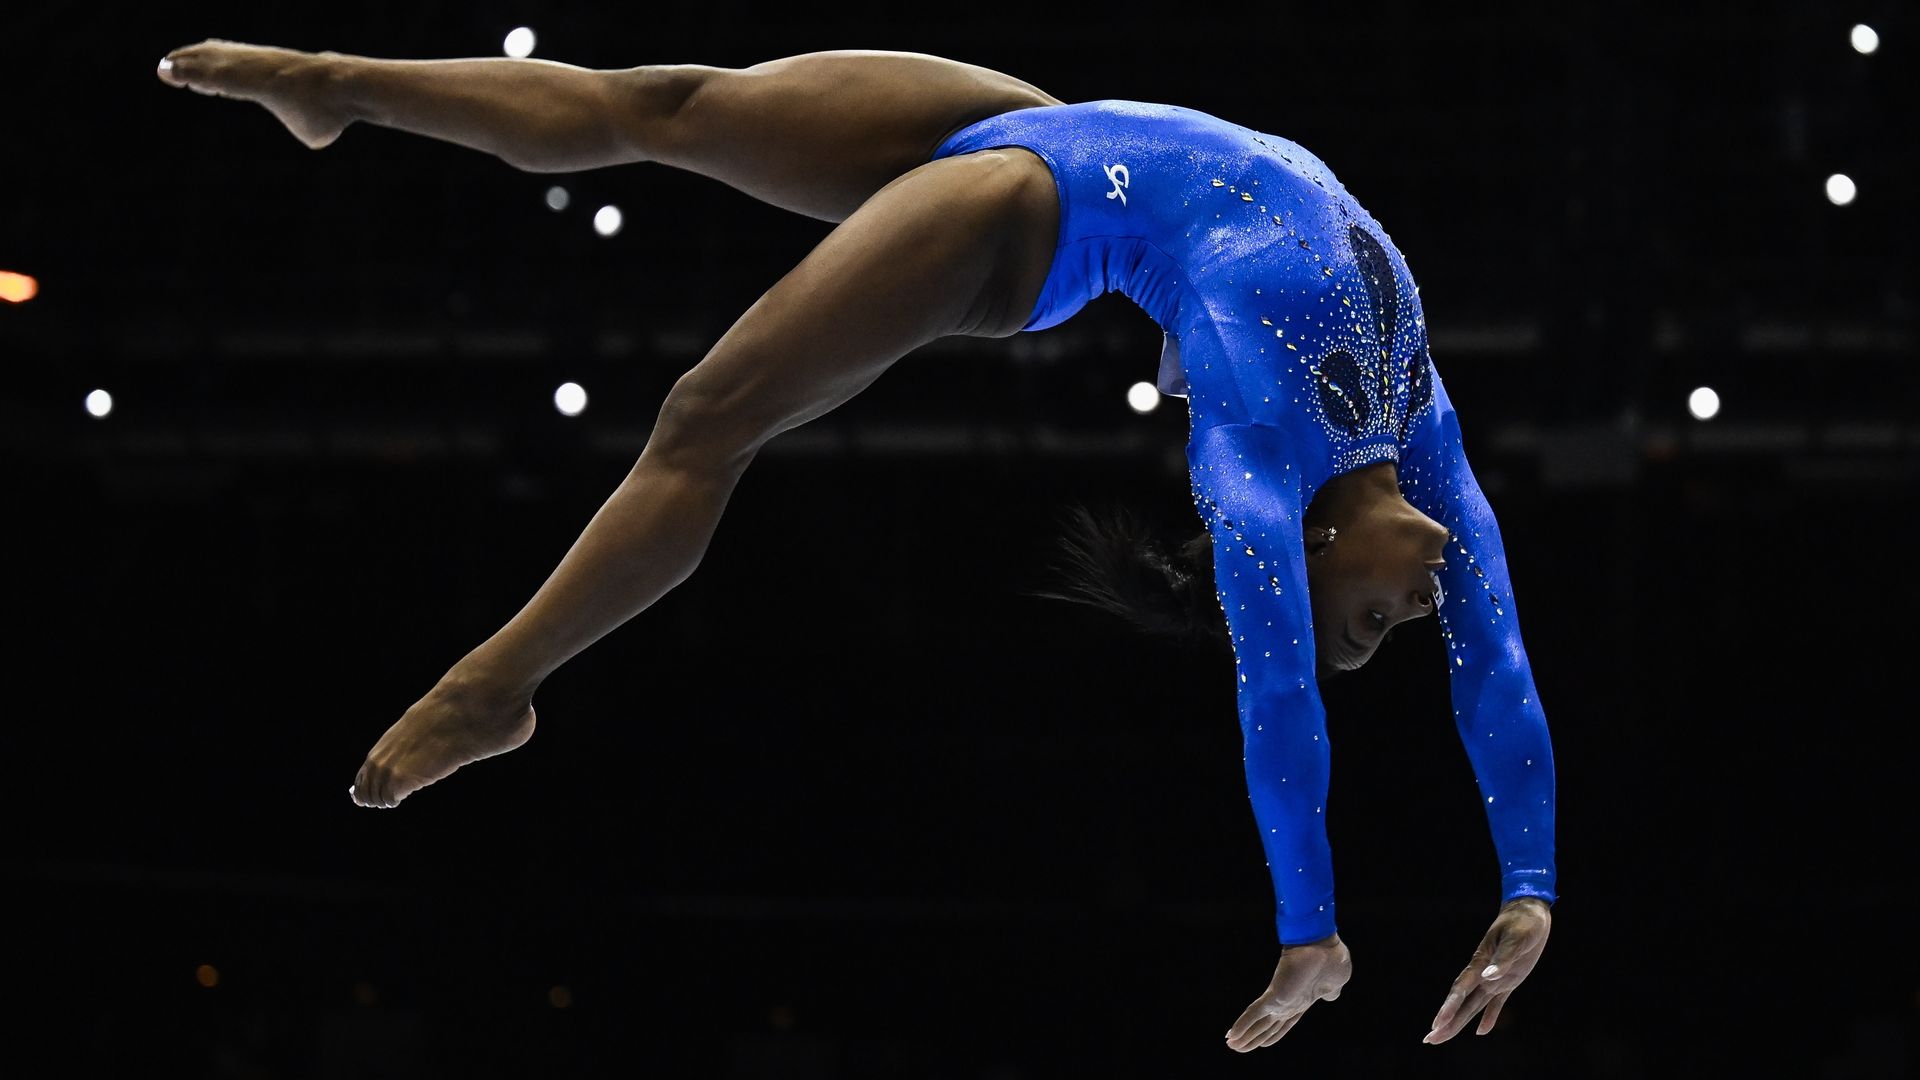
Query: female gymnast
(1325, 458)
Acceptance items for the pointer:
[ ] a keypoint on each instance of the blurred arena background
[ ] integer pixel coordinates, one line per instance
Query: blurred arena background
(289, 432)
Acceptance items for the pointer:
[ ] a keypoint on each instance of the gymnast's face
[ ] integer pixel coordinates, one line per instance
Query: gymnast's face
(1376, 573)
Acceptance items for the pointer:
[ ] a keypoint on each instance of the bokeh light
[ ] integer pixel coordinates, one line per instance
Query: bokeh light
(17, 288)
(1704, 403)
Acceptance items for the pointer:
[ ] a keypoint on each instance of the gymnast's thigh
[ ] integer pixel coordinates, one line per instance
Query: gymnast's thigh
(818, 133)
(959, 246)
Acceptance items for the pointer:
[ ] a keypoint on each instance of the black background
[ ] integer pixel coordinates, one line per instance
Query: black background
(850, 802)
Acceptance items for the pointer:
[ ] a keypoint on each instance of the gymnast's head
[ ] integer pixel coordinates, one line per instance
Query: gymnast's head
(1371, 560)
(1372, 563)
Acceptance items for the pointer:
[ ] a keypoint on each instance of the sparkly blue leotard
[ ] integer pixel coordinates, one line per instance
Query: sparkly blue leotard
(1294, 329)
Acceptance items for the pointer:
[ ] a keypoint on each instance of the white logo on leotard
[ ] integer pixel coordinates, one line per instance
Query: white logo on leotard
(1118, 174)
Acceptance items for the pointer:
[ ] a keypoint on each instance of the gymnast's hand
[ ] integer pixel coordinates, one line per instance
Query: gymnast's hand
(1505, 957)
(1306, 974)
(461, 720)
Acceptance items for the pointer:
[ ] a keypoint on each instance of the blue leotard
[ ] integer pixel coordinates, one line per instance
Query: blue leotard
(1294, 330)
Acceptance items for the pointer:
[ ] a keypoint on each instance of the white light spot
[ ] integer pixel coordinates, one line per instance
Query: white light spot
(1143, 397)
(1704, 403)
(556, 198)
(519, 43)
(570, 399)
(1863, 38)
(99, 403)
(606, 221)
(1840, 189)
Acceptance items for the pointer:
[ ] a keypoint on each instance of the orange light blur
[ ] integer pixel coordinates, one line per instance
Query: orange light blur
(560, 997)
(207, 975)
(19, 288)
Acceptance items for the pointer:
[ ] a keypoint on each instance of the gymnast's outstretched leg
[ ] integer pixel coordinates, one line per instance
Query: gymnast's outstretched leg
(816, 133)
(924, 250)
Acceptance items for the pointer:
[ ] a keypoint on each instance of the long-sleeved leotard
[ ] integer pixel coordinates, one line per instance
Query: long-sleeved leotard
(1294, 330)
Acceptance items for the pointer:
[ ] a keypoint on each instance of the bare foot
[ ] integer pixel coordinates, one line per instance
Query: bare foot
(452, 726)
(293, 85)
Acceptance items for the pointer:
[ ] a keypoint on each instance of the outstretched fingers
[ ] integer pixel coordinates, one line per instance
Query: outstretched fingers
(1264, 1023)
(1473, 994)
(1253, 1025)
(1469, 996)
(1280, 1030)
(1492, 1016)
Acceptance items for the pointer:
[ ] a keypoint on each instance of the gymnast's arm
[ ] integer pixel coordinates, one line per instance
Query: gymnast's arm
(1496, 707)
(1250, 499)
(1250, 502)
(1497, 711)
